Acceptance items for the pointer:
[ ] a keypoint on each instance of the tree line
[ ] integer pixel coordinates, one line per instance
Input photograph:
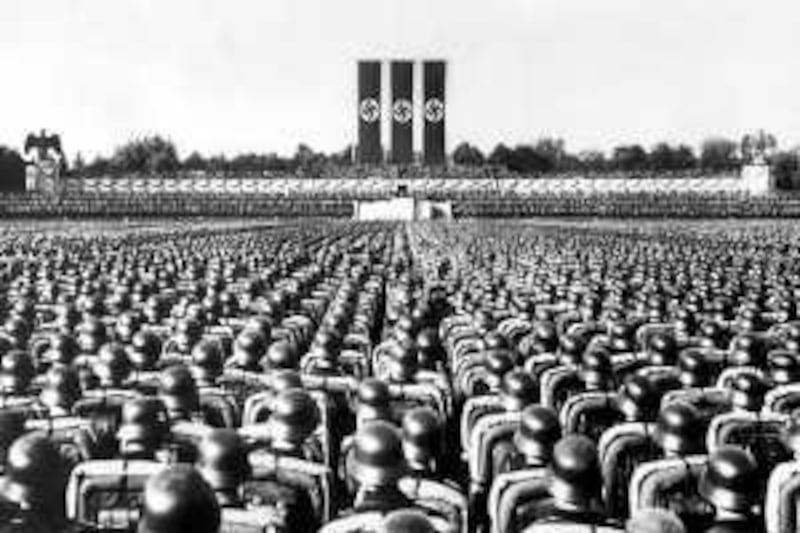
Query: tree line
(716, 154)
(157, 154)
(551, 155)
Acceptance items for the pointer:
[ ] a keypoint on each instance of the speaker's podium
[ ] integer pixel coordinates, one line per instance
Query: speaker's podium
(402, 205)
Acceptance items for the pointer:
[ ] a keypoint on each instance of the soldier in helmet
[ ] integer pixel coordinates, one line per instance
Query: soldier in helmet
(694, 369)
(179, 499)
(61, 390)
(144, 431)
(16, 375)
(222, 461)
(208, 363)
(188, 332)
(248, 349)
(679, 430)
(32, 493)
(79, 437)
(291, 467)
(784, 367)
(144, 352)
(490, 438)
(517, 389)
(425, 483)
(731, 484)
(401, 368)
(207, 366)
(574, 490)
(181, 398)
(748, 391)
(516, 482)
(422, 441)
(538, 432)
(430, 354)
(294, 419)
(373, 402)
(112, 366)
(679, 434)
(377, 467)
(178, 391)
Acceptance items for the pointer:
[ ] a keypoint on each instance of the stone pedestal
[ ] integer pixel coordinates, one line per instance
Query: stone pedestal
(401, 208)
(756, 179)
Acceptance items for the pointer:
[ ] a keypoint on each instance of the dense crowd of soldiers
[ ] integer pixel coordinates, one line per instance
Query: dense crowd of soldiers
(343, 377)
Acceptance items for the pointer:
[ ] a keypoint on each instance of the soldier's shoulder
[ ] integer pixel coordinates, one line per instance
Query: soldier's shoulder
(355, 522)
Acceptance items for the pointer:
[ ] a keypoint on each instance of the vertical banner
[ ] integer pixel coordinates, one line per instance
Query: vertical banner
(370, 150)
(433, 112)
(402, 80)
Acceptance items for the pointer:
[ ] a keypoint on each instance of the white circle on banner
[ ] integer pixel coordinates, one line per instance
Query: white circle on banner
(369, 110)
(402, 111)
(434, 110)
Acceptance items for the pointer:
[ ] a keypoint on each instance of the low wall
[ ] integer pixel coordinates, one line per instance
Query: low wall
(391, 209)
(401, 208)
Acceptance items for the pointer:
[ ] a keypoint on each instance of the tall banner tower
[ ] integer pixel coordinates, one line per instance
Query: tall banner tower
(403, 111)
(370, 149)
(402, 73)
(434, 112)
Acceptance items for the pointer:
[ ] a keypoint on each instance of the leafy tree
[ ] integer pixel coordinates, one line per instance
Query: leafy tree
(468, 155)
(248, 162)
(629, 158)
(78, 164)
(718, 153)
(592, 161)
(661, 157)
(12, 170)
(99, 165)
(500, 156)
(553, 150)
(786, 170)
(309, 162)
(665, 157)
(275, 163)
(304, 156)
(525, 158)
(195, 161)
(684, 158)
(148, 154)
(343, 157)
(218, 163)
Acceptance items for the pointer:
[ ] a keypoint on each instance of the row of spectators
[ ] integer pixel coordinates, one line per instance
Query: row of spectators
(150, 205)
(340, 204)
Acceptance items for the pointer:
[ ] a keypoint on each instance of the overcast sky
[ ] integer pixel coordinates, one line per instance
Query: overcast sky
(264, 75)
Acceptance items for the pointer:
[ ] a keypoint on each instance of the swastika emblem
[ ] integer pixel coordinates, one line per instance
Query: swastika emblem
(434, 110)
(402, 111)
(369, 110)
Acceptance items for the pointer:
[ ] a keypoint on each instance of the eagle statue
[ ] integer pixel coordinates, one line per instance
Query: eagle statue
(42, 144)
